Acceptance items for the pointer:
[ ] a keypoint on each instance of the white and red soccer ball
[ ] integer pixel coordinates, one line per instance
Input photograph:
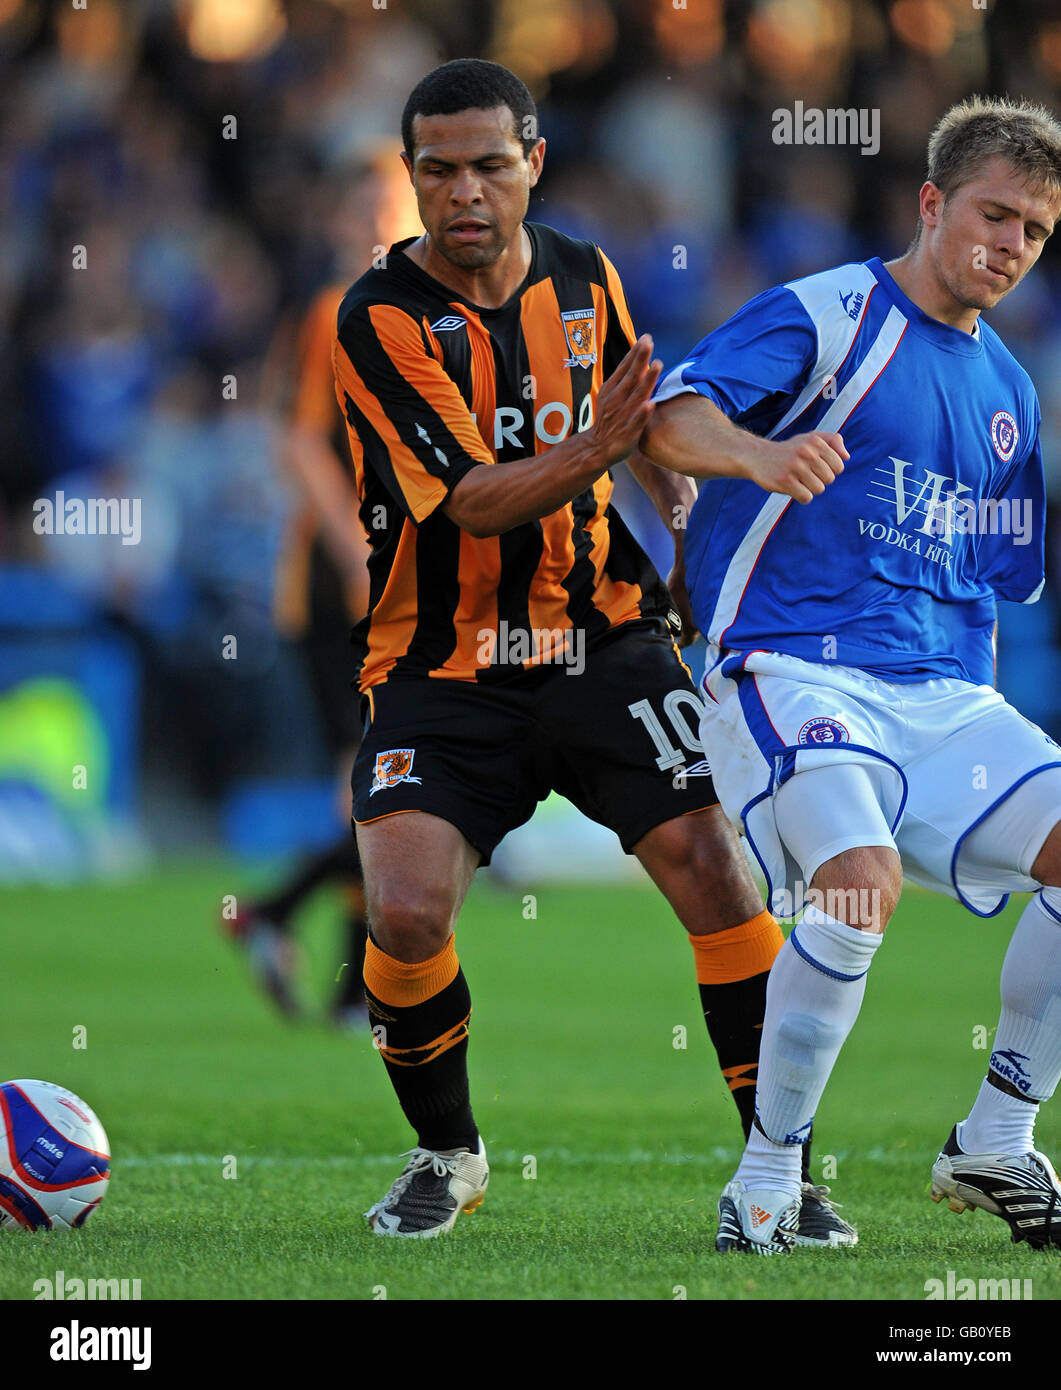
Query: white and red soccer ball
(54, 1158)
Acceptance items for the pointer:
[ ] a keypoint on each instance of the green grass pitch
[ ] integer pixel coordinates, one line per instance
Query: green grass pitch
(609, 1141)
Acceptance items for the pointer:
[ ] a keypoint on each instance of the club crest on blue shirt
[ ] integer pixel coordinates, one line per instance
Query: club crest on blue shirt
(1004, 434)
(821, 731)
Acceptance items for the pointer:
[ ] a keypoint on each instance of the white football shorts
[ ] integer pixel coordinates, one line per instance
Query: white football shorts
(918, 767)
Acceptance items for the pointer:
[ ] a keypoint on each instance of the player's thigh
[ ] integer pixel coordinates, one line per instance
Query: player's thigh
(982, 801)
(809, 771)
(454, 749)
(1022, 834)
(444, 769)
(623, 735)
(417, 870)
(826, 815)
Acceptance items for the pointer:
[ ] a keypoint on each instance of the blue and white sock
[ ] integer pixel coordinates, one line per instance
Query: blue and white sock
(813, 996)
(1027, 1050)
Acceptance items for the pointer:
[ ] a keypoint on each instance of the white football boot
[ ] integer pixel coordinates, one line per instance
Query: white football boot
(1020, 1188)
(431, 1191)
(758, 1222)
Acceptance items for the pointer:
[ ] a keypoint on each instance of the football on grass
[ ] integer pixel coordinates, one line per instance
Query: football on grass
(54, 1158)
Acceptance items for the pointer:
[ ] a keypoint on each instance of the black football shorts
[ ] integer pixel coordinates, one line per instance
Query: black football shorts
(620, 740)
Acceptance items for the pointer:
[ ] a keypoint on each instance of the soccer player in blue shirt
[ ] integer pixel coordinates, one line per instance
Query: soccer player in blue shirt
(853, 730)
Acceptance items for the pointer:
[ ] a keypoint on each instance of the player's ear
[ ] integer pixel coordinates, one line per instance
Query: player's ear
(931, 203)
(535, 159)
(408, 167)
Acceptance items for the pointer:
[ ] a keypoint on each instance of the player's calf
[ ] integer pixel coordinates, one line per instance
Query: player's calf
(417, 870)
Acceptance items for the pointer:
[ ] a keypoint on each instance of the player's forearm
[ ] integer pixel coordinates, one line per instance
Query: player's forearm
(689, 434)
(493, 498)
(672, 494)
(312, 461)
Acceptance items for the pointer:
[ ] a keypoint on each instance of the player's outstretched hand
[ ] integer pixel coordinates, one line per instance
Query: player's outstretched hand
(624, 402)
(801, 467)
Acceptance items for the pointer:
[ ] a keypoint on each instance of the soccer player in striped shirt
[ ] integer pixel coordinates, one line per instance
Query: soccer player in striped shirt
(518, 639)
(854, 729)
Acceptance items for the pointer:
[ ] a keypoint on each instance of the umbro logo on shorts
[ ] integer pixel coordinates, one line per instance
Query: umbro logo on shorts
(392, 767)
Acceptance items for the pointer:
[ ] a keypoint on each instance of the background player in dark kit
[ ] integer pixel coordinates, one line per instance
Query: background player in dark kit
(321, 582)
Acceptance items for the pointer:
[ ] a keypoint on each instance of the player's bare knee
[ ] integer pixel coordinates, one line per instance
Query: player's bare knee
(860, 887)
(702, 846)
(410, 925)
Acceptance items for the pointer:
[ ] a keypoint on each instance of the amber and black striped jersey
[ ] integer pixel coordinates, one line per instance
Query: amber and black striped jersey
(433, 386)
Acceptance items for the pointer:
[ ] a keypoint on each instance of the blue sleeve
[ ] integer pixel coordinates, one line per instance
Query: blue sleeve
(766, 351)
(1012, 560)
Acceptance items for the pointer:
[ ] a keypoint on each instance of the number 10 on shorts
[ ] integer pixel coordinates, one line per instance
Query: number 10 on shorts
(683, 710)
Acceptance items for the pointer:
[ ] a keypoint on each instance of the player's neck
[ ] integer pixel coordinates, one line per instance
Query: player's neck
(914, 275)
(490, 286)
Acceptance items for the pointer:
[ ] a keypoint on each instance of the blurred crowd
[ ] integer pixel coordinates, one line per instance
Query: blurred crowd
(176, 180)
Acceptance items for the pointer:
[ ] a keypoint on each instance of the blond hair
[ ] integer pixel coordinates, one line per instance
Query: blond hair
(980, 128)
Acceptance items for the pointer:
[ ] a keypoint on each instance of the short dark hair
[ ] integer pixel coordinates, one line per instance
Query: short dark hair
(974, 131)
(472, 83)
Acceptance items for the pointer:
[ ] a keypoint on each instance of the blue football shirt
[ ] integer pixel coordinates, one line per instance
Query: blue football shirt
(896, 567)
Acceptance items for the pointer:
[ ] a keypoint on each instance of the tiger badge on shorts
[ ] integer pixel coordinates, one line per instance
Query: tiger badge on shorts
(392, 767)
(580, 330)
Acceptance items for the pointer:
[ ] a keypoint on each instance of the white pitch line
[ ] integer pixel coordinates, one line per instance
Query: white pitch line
(561, 1156)
(564, 1157)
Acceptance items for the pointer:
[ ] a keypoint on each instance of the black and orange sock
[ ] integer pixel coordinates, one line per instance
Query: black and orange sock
(419, 1015)
(732, 968)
